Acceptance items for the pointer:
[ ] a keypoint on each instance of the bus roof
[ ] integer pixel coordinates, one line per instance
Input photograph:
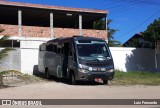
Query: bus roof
(67, 39)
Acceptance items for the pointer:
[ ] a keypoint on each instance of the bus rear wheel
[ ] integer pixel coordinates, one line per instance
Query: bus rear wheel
(47, 75)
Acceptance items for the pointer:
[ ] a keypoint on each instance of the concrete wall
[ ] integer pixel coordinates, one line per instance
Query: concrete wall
(134, 59)
(29, 54)
(29, 58)
(12, 61)
(125, 59)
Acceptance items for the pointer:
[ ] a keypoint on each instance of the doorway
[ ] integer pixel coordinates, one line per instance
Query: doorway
(65, 58)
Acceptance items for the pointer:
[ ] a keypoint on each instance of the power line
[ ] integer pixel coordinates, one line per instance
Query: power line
(123, 5)
(139, 25)
(121, 10)
(133, 2)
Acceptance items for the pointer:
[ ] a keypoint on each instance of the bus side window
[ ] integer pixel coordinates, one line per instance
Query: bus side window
(42, 48)
(74, 54)
(59, 50)
(70, 51)
(49, 47)
(55, 48)
(62, 50)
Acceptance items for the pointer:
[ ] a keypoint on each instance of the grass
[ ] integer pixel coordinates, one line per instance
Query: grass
(121, 78)
(16, 78)
(136, 78)
(1, 80)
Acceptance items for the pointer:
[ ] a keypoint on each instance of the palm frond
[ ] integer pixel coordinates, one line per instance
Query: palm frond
(3, 39)
(4, 52)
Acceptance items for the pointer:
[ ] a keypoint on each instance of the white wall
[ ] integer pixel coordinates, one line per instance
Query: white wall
(29, 58)
(125, 59)
(134, 59)
(29, 54)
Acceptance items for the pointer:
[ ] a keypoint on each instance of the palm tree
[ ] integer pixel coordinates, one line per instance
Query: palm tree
(100, 25)
(111, 41)
(3, 52)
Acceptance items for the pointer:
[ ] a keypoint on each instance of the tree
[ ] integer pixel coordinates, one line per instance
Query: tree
(100, 25)
(152, 33)
(3, 52)
(111, 41)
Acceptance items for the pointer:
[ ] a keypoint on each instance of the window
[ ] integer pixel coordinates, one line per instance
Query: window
(90, 50)
(59, 50)
(49, 47)
(70, 52)
(42, 48)
(62, 50)
(55, 48)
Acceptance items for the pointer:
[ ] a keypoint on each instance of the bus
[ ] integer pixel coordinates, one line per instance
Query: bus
(77, 58)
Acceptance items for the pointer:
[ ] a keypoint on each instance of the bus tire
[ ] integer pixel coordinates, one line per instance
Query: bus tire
(72, 79)
(48, 76)
(105, 82)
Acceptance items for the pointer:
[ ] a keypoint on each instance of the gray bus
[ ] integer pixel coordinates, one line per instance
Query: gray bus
(77, 58)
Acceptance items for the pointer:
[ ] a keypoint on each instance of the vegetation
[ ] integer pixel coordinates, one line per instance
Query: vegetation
(149, 36)
(3, 52)
(121, 78)
(152, 33)
(136, 78)
(1, 80)
(16, 78)
(100, 25)
(111, 41)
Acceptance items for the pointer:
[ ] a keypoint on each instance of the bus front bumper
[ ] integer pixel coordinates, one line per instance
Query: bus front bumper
(91, 76)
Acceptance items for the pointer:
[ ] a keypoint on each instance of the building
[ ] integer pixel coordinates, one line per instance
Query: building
(135, 41)
(32, 20)
(29, 25)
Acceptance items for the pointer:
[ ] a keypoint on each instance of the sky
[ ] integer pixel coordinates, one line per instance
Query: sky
(129, 16)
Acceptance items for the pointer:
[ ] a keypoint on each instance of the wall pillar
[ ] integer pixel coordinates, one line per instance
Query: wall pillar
(80, 25)
(51, 25)
(19, 23)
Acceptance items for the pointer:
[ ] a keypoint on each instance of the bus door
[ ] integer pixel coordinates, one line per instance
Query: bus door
(59, 61)
(65, 59)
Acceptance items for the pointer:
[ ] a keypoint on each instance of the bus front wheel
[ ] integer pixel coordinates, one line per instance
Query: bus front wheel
(105, 82)
(72, 78)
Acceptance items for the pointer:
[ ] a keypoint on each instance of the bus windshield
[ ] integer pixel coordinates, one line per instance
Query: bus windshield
(93, 50)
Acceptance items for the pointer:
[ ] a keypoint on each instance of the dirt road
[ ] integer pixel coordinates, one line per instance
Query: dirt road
(58, 90)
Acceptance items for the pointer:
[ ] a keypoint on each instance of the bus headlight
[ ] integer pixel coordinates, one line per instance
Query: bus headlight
(83, 70)
(111, 70)
(103, 69)
(90, 69)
